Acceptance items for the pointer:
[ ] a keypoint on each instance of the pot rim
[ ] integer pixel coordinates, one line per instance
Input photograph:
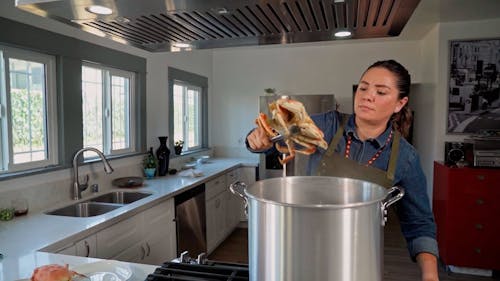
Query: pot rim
(321, 206)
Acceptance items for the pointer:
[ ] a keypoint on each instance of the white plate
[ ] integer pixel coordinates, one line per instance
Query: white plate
(105, 271)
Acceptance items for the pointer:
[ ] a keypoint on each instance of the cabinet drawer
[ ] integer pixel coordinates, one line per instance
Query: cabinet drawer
(215, 186)
(480, 254)
(475, 181)
(474, 206)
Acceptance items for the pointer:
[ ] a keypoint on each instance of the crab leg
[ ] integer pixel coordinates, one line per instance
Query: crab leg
(263, 122)
(291, 149)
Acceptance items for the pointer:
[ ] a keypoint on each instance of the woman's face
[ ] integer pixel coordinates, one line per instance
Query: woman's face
(377, 97)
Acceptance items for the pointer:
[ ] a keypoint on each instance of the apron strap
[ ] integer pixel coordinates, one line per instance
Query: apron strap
(391, 169)
(338, 134)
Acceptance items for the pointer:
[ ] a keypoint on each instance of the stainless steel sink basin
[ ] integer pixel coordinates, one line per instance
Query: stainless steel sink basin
(120, 197)
(84, 209)
(100, 204)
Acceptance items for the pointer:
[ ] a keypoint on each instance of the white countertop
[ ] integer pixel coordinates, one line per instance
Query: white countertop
(21, 238)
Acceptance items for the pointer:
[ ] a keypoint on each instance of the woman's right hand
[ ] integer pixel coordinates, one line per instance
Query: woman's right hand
(258, 140)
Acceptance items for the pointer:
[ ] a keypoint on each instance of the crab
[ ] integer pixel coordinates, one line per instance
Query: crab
(290, 119)
(54, 272)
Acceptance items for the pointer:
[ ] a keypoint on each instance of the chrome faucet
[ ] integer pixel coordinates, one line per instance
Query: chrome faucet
(77, 186)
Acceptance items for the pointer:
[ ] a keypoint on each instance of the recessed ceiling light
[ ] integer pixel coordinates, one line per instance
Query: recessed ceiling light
(342, 34)
(221, 11)
(99, 10)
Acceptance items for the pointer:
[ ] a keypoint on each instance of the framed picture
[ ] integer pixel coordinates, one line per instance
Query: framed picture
(474, 85)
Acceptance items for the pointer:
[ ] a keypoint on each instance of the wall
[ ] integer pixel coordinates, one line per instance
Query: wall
(240, 76)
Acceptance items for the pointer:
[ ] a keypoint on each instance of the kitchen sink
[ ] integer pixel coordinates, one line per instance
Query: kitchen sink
(84, 209)
(100, 204)
(120, 197)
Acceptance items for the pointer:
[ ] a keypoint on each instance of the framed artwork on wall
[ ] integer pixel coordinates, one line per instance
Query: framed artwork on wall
(474, 86)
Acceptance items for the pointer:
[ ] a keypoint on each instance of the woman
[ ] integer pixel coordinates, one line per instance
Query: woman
(367, 145)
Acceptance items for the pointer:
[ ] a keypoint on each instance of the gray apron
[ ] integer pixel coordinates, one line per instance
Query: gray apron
(336, 165)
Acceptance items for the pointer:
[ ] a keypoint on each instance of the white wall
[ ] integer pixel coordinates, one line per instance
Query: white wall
(240, 76)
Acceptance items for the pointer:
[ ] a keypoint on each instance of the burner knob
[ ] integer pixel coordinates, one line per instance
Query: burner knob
(185, 257)
(202, 258)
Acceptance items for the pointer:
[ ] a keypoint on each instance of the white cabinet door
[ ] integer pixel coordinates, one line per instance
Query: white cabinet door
(118, 237)
(216, 220)
(132, 253)
(160, 234)
(160, 247)
(87, 247)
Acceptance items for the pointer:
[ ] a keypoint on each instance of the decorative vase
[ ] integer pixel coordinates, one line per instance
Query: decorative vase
(163, 155)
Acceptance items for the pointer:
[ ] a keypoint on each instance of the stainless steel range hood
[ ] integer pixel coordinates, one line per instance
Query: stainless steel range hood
(161, 25)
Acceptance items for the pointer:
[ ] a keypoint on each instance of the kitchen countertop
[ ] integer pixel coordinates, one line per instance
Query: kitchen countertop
(22, 238)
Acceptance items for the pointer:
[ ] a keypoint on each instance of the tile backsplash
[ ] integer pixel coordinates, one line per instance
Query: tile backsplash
(53, 189)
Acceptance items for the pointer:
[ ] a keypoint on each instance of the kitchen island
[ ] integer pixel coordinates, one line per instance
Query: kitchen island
(24, 237)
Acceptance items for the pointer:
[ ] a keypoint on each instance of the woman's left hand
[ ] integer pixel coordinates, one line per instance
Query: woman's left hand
(428, 266)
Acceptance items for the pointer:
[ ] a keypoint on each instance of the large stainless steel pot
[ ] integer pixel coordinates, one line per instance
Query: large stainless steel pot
(316, 228)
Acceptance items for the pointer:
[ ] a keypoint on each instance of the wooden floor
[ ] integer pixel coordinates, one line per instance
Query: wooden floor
(397, 264)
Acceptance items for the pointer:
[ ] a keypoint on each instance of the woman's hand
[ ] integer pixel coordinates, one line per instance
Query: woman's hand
(428, 266)
(258, 140)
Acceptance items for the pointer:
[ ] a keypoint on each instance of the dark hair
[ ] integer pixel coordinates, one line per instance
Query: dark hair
(402, 120)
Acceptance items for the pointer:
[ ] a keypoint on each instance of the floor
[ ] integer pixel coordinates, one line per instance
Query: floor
(397, 262)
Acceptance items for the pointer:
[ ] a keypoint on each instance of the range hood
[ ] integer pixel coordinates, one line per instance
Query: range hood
(172, 25)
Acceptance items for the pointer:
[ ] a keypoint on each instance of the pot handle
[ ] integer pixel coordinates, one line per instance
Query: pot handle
(391, 199)
(238, 188)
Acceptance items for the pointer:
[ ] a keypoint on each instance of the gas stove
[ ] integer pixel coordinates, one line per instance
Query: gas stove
(199, 269)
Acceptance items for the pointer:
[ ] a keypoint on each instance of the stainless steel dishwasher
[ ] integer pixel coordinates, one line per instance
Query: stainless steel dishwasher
(190, 221)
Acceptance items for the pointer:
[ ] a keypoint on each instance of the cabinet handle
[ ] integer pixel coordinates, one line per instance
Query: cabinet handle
(481, 177)
(479, 226)
(217, 203)
(479, 201)
(143, 252)
(149, 249)
(477, 250)
(87, 247)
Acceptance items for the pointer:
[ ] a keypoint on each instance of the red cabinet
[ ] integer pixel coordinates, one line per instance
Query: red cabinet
(466, 206)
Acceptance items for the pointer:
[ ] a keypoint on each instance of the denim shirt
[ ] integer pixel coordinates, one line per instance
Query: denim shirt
(413, 210)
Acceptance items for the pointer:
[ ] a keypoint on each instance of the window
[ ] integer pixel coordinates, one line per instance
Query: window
(108, 110)
(28, 124)
(188, 109)
(187, 115)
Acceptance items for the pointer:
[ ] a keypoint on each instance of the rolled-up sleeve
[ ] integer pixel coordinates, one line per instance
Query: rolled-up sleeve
(421, 245)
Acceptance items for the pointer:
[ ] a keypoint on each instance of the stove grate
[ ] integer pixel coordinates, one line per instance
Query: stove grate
(171, 271)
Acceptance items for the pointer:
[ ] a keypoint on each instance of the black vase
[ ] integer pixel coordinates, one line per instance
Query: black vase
(163, 155)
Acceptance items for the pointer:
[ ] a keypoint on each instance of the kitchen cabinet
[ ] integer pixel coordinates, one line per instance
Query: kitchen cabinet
(224, 210)
(159, 234)
(466, 206)
(118, 237)
(233, 202)
(215, 207)
(87, 247)
(82, 248)
(156, 243)
(148, 237)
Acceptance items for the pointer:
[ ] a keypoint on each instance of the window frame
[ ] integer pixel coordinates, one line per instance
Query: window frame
(177, 76)
(50, 110)
(107, 74)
